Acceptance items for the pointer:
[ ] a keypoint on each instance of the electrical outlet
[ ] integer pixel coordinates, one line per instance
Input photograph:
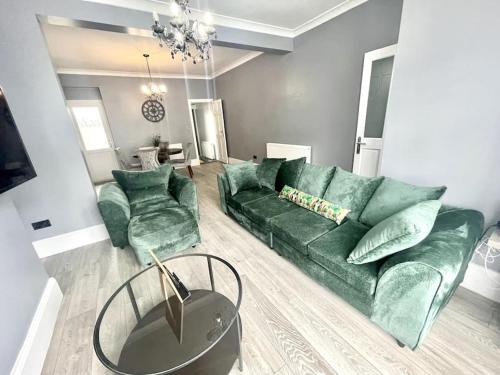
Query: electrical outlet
(41, 224)
(255, 157)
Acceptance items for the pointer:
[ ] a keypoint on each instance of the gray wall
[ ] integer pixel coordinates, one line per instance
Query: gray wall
(22, 280)
(309, 96)
(122, 99)
(62, 191)
(443, 118)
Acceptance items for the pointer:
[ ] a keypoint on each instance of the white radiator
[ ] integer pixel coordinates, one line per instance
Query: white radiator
(281, 150)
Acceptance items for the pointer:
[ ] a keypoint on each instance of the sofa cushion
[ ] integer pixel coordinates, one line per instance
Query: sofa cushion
(263, 210)
(246, 196)
(289, 173)
(318, 205)
(149, 193)
(398, 232)
(300, 227)
(314, 179)
(351, 191)
(164, 232)
(332, 249)
(393, 196)
(152, 205)
(241, 176)
(268, 170)
(133, 180)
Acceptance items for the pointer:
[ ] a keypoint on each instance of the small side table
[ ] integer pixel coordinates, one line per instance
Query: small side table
(488, 248)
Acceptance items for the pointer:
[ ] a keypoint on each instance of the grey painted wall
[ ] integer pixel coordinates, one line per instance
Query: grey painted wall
(309, 96)
(22, 280)
(62, 191)
(122, 99)
(443, 118)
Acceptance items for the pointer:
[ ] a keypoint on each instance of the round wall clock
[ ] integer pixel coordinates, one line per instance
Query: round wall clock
(153, 110)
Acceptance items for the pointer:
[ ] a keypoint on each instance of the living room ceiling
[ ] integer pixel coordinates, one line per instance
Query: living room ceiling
(85, 51)
(287, 18)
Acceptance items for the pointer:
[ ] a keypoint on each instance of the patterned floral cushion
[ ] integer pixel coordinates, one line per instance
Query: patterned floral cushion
(320, 206)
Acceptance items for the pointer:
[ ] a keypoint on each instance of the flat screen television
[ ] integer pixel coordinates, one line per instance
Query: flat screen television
(15, 164)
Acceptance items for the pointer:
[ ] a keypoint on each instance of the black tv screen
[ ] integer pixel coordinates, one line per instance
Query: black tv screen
(15, 164)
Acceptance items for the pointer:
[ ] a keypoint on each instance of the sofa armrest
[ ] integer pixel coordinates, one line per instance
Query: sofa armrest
(415, 284)
(115, 211)
(224, 192)
(184, 190)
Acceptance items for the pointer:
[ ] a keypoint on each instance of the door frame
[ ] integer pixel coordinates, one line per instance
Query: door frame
(193, 129)
(369, 58)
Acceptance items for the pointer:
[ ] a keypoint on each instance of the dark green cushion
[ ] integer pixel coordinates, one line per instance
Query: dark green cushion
(263, 210)
(133, 180)
(315, 179)
(300, 227)
(153, 205)
(164, 232)
(289, 173)
(393, 196)
(243, 197)
(241, 176)
(268, 170)
(351, 191)
(398, 232)
(332, 250)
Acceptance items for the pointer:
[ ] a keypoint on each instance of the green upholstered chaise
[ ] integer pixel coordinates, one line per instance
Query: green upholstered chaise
(402, 293)
(162, 217)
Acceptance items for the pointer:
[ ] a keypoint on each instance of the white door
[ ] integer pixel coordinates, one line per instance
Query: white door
(221, 131)
(95, 138)
(375, 87)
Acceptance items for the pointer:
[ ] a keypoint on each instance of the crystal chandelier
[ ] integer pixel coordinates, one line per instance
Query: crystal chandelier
(190, 38)
(152, 90)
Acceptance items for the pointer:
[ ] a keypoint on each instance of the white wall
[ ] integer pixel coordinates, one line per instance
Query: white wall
(443, 117)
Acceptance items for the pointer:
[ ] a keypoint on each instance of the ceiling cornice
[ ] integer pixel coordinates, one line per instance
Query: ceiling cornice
(116, 73)
(239, 23)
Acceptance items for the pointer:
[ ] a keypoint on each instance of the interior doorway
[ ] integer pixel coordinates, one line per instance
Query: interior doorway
(375, 87)
(207, 120)
(95, 138)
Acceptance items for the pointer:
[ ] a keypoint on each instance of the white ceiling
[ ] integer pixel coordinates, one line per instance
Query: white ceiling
(85, 51)
(287, 18)
(289, 14)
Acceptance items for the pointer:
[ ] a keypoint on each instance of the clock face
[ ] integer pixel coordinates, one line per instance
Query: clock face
(153, 110)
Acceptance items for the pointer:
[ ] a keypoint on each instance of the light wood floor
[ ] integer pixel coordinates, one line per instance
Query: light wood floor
(291, 325)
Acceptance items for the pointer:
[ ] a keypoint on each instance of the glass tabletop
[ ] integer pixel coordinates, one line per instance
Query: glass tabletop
(134, 333)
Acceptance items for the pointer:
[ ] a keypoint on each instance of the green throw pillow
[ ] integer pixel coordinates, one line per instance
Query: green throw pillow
(314, 179)
(320, 206)
(267, 172)
(398, 232)
(133, 180)
(352, 191)
(289, 173)
(393, 196)
(241, 176)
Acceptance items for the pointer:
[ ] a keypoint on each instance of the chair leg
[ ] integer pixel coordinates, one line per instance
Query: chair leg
(190, 170)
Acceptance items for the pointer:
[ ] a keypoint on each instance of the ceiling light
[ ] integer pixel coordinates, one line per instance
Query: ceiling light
(190, 38)
(152, 90)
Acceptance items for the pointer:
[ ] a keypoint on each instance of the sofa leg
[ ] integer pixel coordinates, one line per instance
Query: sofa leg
(122, 247)
(400, 344)
(193, 246)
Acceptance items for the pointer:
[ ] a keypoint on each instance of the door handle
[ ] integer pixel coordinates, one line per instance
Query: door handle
(358, 145)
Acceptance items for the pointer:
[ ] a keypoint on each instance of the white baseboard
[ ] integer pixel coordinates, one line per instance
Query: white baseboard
(235, 161)
(36, 344)
(487, 285)
(69, 241)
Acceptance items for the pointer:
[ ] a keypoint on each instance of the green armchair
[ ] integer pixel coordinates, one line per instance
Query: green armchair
(151, 214)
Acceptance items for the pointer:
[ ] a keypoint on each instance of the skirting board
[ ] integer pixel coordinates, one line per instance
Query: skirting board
(487, 285)
(235, 161)
(69, 241)
(36, 344)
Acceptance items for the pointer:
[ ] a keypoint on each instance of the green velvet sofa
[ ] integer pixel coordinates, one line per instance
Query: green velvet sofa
(160, 217)
(402, 293)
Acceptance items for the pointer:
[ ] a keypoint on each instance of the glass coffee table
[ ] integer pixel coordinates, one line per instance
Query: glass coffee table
(133, 336)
